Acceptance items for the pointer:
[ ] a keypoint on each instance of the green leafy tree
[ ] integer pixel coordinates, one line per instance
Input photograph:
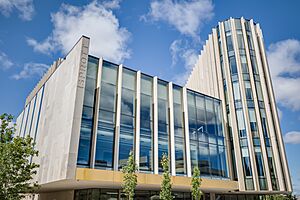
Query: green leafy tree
(196, 182)
(166, 185)
(282, 197)
(130, 177)
(16, 169)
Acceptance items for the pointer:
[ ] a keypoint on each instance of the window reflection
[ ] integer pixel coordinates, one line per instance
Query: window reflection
(146, 130)
(106, 119)
(178, 131)
(127, 119)
(207, 148)
(87, 113)
(163, 121)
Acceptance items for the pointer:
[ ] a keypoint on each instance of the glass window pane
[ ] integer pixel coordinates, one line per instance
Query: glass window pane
(236, 90)
(104, 148)
(232, 64)
(87, 113)
(146, 132)
(108, 97)
(241, 123)
(109, 73)
(127, 102)
(106, 119)
(127, 118)
(128, 79)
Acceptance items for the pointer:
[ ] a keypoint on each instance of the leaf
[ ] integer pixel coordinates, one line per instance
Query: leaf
(16, 168)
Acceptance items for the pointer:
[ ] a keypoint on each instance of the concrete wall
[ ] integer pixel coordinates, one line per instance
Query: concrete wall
(60, 117)
(53, 114)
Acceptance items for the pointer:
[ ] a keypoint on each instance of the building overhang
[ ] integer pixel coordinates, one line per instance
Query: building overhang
(97, 178)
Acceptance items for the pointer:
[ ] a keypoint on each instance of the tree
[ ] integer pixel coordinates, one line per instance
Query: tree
(196, 182)
(130, 177)
(282, 197)
(16, 169)
(166, 185)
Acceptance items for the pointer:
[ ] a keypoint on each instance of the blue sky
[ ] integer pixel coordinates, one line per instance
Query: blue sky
(160, 38)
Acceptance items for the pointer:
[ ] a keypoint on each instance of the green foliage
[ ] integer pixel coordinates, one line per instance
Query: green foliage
(166, 185)
(16, 169)
(282, 197)
(130, 177)
(196, 182)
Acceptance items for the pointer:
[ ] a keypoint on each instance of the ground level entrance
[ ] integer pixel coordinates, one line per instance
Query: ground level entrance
(108, 194)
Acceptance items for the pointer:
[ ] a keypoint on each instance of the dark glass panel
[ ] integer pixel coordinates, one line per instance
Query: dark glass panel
(254, 64)
(87, 113)
(163, 121)
(85, 142)
(108, 97)
(240, 39)
(178, 130)
(127, 118)
(259, 162)
(203, 157)
(233, 66)
(146, 132)
(125, 145)
(127, 101)
(106, 120)
(104, 148)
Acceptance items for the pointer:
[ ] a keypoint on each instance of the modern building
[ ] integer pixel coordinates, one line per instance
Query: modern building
(86, 115)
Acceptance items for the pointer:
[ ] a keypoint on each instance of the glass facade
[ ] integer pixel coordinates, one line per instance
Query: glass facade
(114, 194)
(127, 120)
(180, 162)
(163, 120)
(207, 145)
(106, 117)
(87, 113)
(208, 149)
(146, 124)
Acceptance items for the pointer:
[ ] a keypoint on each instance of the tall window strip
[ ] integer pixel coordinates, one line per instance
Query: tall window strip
(257, 148)
(86, 128)
(250, 105)
(247, 165)
(229, 127)
(180, 163)
(163, 121)
(127, 120)
(33, 111)
(106, 119)
(146, 124)
(26, 121)
(39, 112)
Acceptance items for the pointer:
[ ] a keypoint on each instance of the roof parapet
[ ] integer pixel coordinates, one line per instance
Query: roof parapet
(45, 77)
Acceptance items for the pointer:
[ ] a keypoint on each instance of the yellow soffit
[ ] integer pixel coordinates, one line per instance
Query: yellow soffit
(152, 180)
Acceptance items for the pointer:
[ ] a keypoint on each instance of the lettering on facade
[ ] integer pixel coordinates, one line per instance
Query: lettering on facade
(83, 65)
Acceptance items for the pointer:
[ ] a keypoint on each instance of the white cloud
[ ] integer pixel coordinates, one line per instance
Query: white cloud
(5, 62)
(180, 49)
(186, 16)
(284, 62)
(292, 137)
(45, 47)
(24, 7)
(31, 70)
(94, 20)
